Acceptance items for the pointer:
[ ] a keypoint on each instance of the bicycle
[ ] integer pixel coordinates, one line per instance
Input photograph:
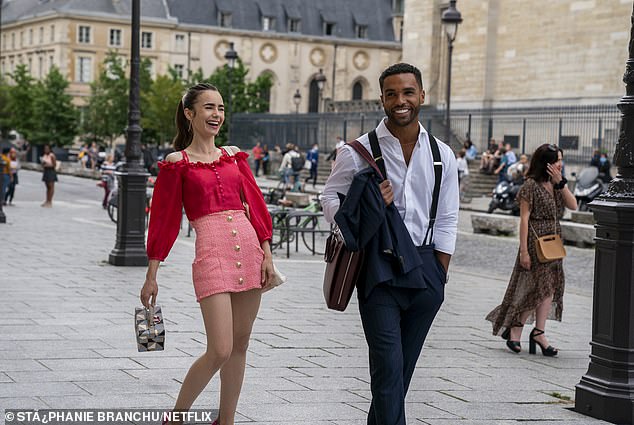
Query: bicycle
(308, 221)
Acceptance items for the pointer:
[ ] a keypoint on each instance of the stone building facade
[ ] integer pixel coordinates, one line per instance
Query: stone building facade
(518, 53)
(292, 40)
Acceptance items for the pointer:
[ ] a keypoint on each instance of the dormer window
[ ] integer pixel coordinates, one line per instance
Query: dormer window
(268, 23)
(293, 25)
(329, 28)
(361, 31)
(224, 19)
(397, 7)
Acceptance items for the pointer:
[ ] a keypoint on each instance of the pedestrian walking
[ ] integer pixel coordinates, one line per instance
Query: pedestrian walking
(399, 295)
(266, 158)
(313, 156)
(233, 256)
(257, 154)
(535, 290)
(5, 173)
(49, 175)
(14, 166)
(292, 164)
(463, 172)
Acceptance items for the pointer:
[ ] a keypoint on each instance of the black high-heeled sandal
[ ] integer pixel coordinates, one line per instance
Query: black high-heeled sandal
(514, 346)
(549, 351)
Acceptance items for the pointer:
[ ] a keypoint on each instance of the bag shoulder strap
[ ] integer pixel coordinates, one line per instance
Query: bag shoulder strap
(435, 152)
(357, 146)
(231, 150)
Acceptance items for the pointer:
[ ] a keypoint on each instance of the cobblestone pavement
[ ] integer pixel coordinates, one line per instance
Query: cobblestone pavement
(66, 332)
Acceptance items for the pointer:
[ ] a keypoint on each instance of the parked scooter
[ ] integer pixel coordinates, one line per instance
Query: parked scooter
(590, 184)
(506, 191)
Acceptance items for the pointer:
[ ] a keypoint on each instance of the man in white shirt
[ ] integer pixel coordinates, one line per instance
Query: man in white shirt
(397, 314)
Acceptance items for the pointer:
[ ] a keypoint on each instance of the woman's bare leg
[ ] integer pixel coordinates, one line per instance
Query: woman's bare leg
(245, 307)
(541, 314)
(216, 311)
(516, 332)
(50, 190)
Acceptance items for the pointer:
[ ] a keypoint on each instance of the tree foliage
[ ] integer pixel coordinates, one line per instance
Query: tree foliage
(107, 110)
(5, 112)
(20, 101)
(56, 116)
(239, 94)
(161, 100)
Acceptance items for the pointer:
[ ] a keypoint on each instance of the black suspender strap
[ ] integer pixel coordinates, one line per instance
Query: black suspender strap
(376, 152)
(436, 194)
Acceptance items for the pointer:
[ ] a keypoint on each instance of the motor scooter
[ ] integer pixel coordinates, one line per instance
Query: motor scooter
(590, 184)
(505, 192)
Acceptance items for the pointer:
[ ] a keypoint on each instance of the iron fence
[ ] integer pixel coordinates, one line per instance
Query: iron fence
(579, 130)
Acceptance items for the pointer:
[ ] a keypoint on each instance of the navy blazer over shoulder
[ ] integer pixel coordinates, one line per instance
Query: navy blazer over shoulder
(367, 223)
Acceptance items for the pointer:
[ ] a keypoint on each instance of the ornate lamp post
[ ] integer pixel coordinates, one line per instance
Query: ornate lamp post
(450, 18)
(129, 249)
(320, 79)
(606, 391)
(297, 99)
(231, 56)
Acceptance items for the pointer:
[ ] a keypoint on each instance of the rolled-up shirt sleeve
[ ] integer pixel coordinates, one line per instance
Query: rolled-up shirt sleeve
(446, 227)
(166, 212)
(346, 165)
(258, 212)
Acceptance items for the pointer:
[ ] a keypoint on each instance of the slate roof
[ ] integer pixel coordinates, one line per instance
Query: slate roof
(245, 14)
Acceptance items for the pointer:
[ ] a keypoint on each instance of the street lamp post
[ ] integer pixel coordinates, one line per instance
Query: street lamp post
(129, 249)
(3, 217)
(451, 18)
(231, 56)
(320, 79)
(297, 99)
(606, 391)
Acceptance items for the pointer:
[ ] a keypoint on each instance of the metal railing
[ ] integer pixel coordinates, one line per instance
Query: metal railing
(579, 130)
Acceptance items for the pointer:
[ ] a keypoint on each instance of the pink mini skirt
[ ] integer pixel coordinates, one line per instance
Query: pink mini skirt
(228, 254)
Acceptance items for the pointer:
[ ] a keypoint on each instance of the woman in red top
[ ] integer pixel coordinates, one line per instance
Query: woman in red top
(233, 229)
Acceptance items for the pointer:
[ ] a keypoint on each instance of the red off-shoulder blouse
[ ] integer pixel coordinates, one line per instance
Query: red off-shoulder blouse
(202, 188)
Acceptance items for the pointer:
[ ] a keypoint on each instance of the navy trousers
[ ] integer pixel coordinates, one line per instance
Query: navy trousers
(396, 321)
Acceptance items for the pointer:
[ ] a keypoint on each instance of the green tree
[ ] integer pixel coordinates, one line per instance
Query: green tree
(161, 101)
(245, 96)
(20, 101)
(56, 121)
(5, 112)
(107, 110)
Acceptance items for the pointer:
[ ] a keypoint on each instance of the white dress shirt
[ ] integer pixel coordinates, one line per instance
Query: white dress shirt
(412, 185)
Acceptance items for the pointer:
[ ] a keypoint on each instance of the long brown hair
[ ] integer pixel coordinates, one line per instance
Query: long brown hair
(543, 155)
(184, 132)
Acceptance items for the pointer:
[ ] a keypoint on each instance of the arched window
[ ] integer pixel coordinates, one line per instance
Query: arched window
(357, 91)
(313, 97)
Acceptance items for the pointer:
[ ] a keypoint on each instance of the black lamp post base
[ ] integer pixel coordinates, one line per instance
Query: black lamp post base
(606, 391)
(128, 257)
(129, 249)
(603, 401)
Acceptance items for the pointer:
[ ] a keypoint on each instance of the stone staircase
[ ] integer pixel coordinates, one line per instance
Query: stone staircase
(479, 184)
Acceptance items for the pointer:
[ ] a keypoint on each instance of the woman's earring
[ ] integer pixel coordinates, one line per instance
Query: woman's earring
(190, 126)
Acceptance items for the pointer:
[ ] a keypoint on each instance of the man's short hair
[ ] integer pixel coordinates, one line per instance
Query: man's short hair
(401, 68)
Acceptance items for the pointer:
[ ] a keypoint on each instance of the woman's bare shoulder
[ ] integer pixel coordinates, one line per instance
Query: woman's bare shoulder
(174, 157)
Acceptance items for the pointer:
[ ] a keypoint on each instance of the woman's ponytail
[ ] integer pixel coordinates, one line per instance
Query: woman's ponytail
(183, 128)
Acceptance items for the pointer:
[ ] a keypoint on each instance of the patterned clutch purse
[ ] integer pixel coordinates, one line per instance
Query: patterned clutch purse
(150, 330)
